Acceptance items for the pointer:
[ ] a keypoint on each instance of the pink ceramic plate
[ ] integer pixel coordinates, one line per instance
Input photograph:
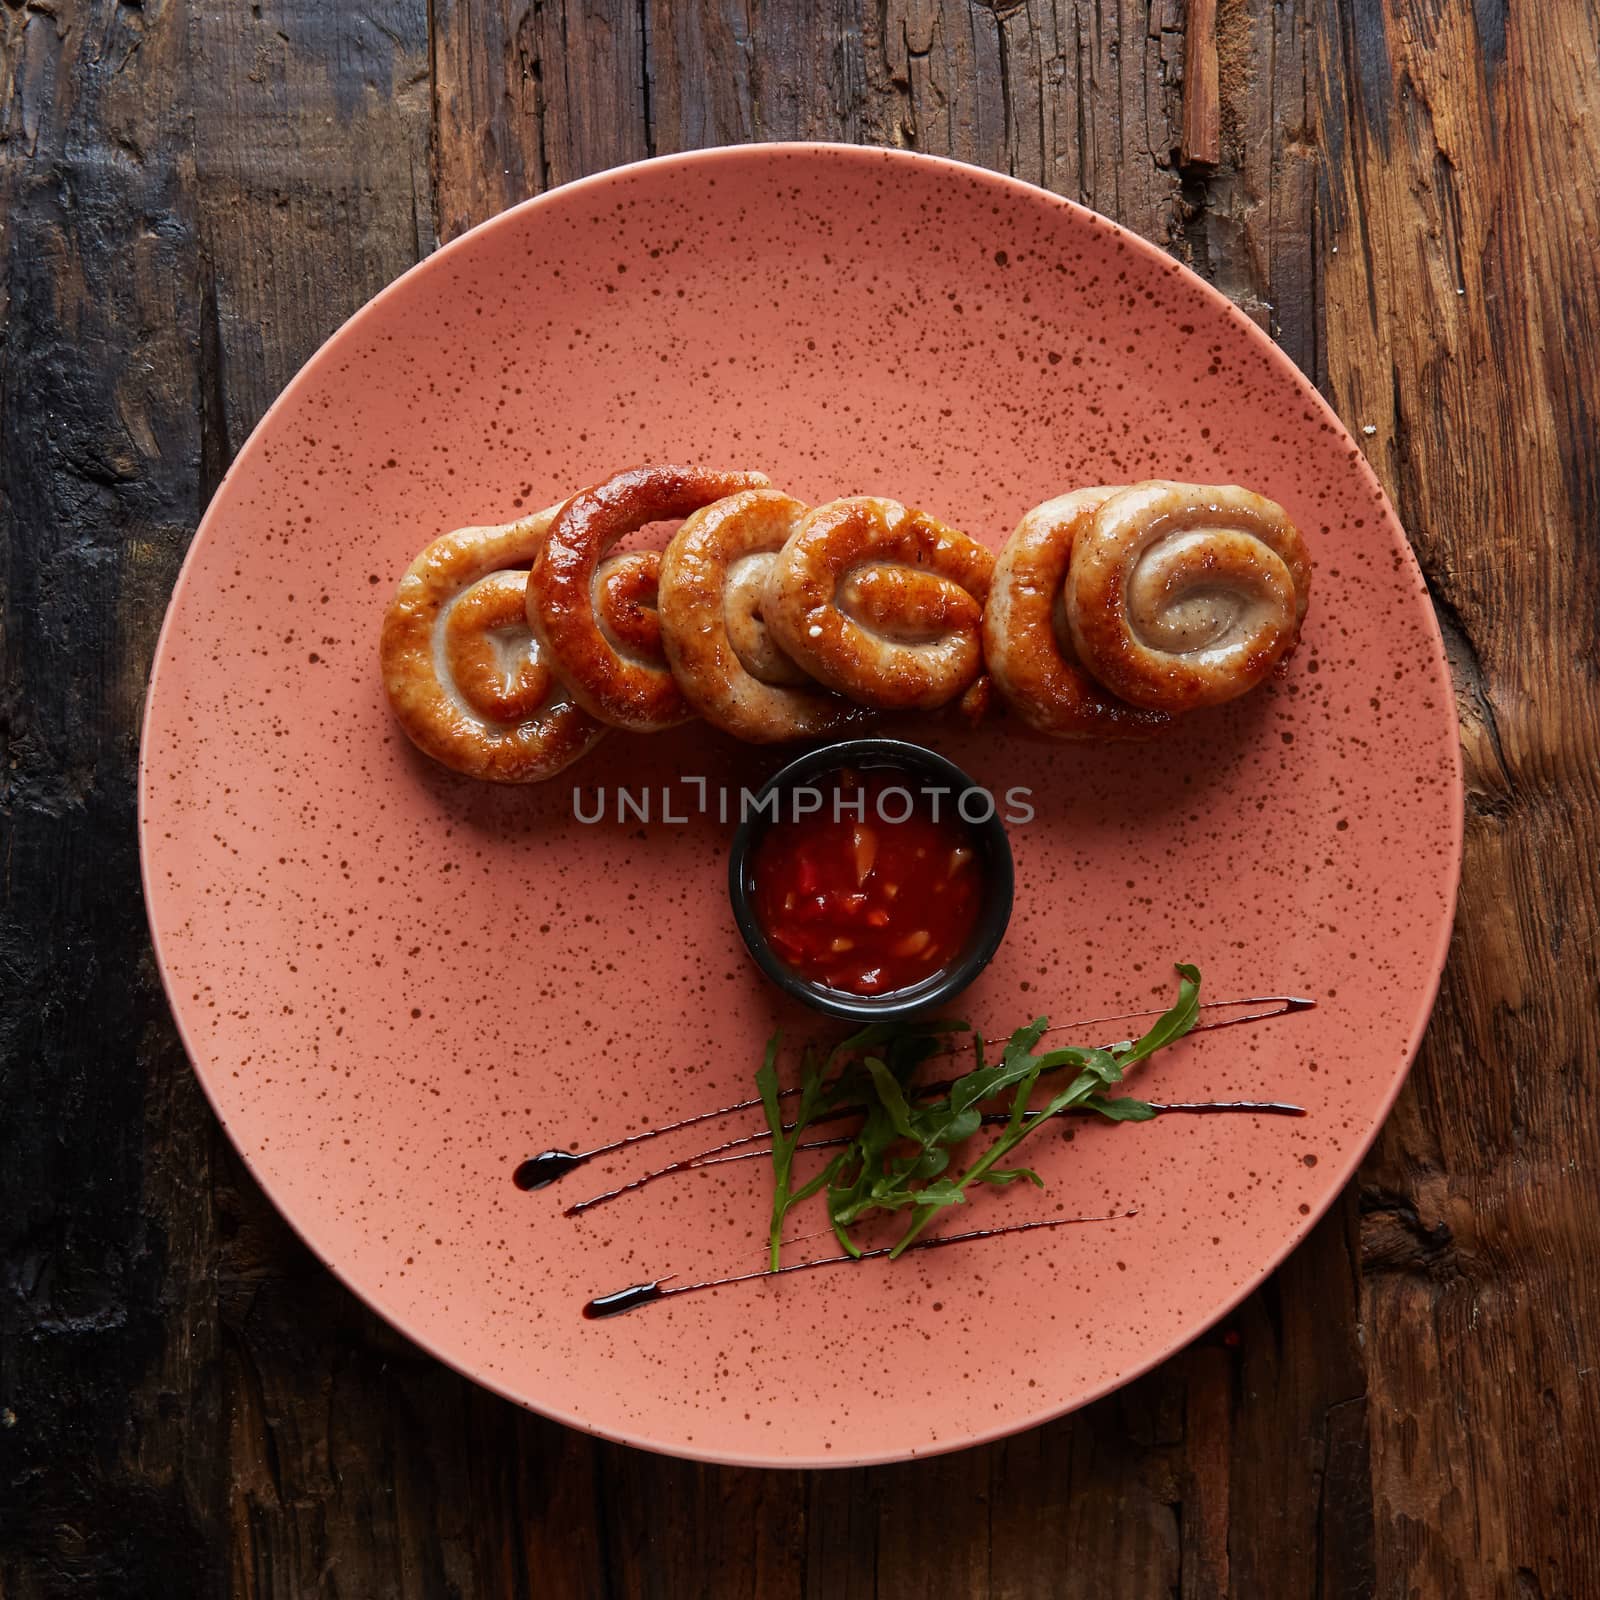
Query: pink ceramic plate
(395, 984)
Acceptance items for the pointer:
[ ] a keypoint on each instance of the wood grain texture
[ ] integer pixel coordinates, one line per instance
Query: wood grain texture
(311, 192)
(112, 1462)
(1202, 107)
(1463, 310)
(194, 193)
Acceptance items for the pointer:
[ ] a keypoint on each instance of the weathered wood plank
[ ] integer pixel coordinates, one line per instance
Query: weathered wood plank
(489, 97)
(1463, 309)
(1201, 145)
(312, 177)
(111, 1467)
(1253, 234)
(348, 1454)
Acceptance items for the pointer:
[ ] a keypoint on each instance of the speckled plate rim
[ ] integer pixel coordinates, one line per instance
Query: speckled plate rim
(1016, 189)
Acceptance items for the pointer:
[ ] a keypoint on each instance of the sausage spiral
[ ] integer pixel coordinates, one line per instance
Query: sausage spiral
(1026, 642)
(468, 682)
(1111, 612)
(1181, 595)
(618, 674)
(880, 603)
(717, 642)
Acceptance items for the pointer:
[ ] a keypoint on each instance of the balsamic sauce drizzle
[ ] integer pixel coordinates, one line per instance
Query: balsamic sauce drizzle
(714, 1157)
(540, 1171)
(644, 1294)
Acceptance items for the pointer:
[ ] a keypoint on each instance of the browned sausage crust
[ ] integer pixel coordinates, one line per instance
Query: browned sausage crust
(880, 603)
(1181, 595)
(1026, 642)
(468, 683)
(720, 649)
(621, 677)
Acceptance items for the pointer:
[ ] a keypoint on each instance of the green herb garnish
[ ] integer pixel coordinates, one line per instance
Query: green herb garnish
(839, 1081)
(899, 1158)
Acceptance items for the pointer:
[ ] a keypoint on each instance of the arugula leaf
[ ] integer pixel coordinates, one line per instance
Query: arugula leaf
(842, 1079)
(961, 1126)
(1121, 1108)
(891, 1098)
(1171, 1024)
(1011, 1174)
(1098, 1069)
(782, 1147)
(900, 1156)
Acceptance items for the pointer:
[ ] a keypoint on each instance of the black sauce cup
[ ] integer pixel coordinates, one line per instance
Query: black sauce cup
(923, 768)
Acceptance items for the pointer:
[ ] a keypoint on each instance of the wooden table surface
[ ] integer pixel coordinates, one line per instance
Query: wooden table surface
(194, 193)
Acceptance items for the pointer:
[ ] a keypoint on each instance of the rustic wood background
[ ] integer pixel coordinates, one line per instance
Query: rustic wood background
(194, 193)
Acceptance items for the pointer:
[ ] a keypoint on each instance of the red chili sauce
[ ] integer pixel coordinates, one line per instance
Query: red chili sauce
(875, 890)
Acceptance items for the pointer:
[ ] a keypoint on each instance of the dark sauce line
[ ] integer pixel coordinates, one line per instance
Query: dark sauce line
(714, 1157)
(1201, 1108)
(706, 1158)
(540, 1171)
(644, 1294)
(1286, 1004)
